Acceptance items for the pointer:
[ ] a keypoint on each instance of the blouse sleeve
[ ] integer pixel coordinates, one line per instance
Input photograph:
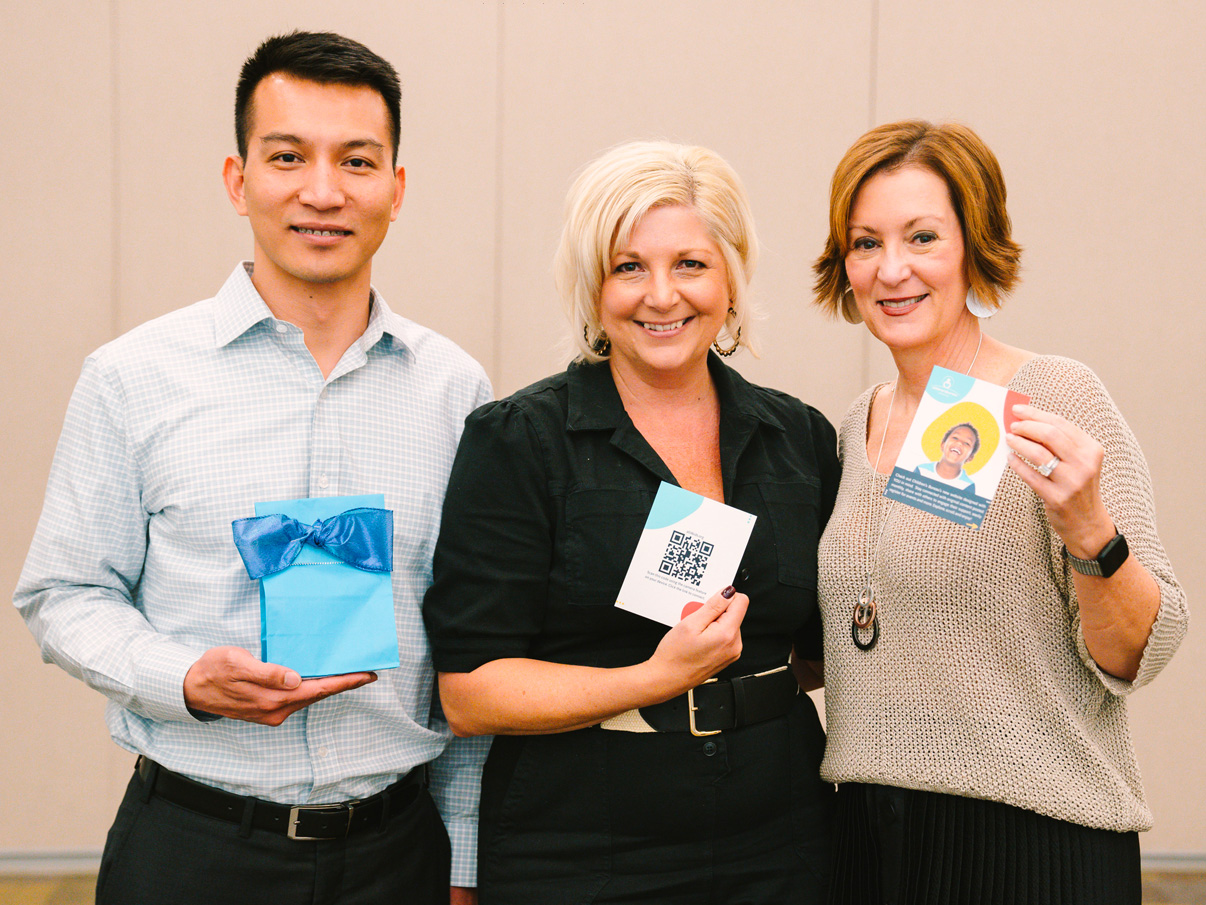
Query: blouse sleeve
(491, 564)
(1126, 489)
(809, 639)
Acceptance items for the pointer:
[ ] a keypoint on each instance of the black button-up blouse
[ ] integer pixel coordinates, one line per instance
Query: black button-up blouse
(547, 499)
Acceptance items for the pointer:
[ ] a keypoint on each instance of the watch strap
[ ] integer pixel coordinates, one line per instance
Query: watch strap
(1105, 563)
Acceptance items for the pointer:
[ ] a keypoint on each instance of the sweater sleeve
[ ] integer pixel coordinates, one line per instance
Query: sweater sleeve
(1077, 394)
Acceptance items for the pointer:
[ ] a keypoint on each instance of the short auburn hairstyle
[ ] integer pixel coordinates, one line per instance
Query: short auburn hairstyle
(973, 177)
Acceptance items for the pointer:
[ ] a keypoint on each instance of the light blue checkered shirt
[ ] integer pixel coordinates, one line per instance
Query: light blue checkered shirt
(175, 430)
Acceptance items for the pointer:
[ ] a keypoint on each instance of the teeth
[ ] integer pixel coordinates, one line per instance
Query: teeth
(900, 303)
(321, 232)
(661, 328)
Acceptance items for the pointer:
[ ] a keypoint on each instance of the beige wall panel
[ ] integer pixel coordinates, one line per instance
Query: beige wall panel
(177, 74)
(57, 304)
(1098, 116)
(775, 87)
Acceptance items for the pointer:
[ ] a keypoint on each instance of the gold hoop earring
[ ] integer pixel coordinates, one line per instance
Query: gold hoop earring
(600, 345)
(725, 353)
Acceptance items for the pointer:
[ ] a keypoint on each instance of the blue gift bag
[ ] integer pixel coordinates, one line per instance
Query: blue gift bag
(321, 616)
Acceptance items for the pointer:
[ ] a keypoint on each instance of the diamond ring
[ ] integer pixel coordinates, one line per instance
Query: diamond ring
(1045, 470)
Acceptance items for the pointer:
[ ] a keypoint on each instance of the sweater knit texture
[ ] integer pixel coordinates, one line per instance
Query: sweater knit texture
(980, 684)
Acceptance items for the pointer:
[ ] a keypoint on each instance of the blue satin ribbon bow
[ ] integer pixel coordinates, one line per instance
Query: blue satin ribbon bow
(363, 538)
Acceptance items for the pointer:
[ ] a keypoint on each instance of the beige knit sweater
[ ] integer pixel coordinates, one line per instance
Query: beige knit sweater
(980, 684)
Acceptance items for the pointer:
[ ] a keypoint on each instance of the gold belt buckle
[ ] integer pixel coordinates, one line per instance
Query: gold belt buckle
(691, 708)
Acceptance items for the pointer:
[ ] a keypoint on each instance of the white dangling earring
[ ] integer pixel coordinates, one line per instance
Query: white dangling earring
(977, 307)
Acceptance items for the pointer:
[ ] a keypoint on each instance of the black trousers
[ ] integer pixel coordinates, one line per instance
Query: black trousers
(159, 853)
(898, 846)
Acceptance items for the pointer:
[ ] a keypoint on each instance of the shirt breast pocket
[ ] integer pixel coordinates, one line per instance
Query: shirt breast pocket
(793, 511)
(602, 528)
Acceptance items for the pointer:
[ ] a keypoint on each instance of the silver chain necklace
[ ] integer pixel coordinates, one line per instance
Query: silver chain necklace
(865, 610)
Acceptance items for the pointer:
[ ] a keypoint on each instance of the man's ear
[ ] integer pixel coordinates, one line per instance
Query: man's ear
(232, 176)
(399, 191)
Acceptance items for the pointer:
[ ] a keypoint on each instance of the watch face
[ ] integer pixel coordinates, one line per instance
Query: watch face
(1113, 555)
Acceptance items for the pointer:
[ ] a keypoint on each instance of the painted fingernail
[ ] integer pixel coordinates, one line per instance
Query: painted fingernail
(728, 592)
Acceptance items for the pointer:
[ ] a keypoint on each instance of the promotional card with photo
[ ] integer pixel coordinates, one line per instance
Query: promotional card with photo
(955, 451)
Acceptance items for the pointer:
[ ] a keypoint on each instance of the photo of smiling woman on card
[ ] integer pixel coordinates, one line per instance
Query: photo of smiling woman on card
(636, 763)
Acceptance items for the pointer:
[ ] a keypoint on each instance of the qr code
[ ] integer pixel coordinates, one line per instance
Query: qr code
(686, 558)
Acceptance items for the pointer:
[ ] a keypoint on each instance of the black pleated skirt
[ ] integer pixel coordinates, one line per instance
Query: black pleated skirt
(897, 846)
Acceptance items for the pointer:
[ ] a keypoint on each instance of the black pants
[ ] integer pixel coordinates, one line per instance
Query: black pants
(898, 846)
(159, 853)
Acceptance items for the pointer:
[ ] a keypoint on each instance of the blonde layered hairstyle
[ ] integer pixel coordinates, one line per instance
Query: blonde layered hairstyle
(973, 177)
(615, 191)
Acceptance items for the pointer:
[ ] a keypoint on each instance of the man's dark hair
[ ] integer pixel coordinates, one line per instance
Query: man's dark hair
(320, 57)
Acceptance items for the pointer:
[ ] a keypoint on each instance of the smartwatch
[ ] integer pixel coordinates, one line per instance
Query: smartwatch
(1105, 563)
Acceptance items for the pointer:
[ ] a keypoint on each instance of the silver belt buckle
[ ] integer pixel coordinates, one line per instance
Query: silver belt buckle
(691, 708)
(295, 818)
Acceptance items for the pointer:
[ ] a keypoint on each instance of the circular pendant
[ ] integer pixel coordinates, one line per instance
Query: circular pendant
(864, 610)
(859, 642)
(864, 618)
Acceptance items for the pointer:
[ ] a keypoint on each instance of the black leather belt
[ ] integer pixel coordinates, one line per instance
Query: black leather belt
(726, 704)
(304, 822)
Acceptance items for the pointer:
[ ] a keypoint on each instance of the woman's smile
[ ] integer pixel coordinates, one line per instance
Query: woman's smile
(663, 328)
(897, 307)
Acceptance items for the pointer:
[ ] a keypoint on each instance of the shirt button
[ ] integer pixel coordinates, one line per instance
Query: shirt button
(322, 752)
(709, 748)
(323, 482)
(743, 575)
(281, 328)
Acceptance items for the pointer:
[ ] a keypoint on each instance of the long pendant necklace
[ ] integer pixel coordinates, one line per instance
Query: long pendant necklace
(865, 611)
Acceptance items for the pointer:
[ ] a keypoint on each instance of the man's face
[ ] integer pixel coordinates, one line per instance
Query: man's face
(318, 184)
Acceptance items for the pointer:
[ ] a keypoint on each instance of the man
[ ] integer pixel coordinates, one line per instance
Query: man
(295, 381)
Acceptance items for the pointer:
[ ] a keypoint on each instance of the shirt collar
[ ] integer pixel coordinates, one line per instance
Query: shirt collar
(594, 402)
(239, 307)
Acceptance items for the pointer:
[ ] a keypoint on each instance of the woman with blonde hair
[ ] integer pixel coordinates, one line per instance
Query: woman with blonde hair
(634, 763)
(976, 680)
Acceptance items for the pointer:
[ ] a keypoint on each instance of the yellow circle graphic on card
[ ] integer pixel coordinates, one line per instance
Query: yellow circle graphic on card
(982, 422)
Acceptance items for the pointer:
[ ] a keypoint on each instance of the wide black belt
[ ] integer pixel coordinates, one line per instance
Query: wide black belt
(304, 822)
(723, 704)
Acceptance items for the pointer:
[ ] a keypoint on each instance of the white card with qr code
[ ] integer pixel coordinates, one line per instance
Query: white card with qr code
(690, 549)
